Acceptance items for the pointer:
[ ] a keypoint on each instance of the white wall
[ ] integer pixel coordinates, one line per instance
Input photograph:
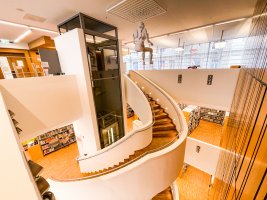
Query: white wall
(194, 89)
(15, 178)
(140, 180)
(73, 60)
(41, 104)
(207, 158)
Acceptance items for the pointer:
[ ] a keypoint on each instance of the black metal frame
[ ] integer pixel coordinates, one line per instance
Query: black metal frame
(93, 33)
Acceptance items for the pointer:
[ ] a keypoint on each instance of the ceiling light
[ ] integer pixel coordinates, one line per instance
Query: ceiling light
(23, 36)
(44, 30)
(231, 21)
(25, 26)
(180, 32)
(202, 27)
(260, 15)
(13, 24)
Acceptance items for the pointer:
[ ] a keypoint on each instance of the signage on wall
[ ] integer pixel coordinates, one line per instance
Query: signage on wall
(209, 80)
(180, 76)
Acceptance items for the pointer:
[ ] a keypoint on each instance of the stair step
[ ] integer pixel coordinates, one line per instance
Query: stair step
(35, 168)
(149, 98)
(161, 115)
(42, 184)
(155, 106)
(164, 127)
(156, 111)
(171, 133)
(162, 121)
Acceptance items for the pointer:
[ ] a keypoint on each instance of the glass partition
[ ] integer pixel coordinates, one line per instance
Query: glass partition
(102, 49)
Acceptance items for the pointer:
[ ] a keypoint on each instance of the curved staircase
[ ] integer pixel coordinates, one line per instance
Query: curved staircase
(164, 133)
(148, 170)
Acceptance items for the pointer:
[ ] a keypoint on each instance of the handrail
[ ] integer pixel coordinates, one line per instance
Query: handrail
(183, 132)
(174, 104)
(123, 165)
(123, 139)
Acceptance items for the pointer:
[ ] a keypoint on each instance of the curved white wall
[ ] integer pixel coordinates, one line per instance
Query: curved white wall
(194, 89)
(140, 180)
(135, 140)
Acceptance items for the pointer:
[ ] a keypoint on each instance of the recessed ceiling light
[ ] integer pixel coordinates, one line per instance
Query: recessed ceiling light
(29, 27)
(44, 30)
(25, 34)
(13, 24)
(231, 21)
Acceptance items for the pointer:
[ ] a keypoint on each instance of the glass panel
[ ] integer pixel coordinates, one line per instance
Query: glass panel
(97, 26)
(204, 55)
(72, 24)
(105, 74)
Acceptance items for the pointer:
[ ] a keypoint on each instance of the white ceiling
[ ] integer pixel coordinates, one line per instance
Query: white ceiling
(180, 15)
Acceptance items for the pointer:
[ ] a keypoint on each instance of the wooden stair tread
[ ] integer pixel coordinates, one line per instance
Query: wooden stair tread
(171, 133)
(162, 121)
(164, 132)
(157, 110)
(164, 127)
(161, 115)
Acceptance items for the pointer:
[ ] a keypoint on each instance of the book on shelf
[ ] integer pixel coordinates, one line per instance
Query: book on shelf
(56, 139)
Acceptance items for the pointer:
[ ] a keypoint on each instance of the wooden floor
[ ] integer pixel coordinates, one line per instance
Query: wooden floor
(62, 164)
(164, 195)
(208, 132)
(193, 184)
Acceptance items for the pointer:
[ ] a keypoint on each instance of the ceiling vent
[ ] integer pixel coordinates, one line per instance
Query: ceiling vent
(34, 18)
(136, 10)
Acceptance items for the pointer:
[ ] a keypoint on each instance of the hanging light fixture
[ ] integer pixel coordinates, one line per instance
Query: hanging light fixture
(179, 48)
(221, 44)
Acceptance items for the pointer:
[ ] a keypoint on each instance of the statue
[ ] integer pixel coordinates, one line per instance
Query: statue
(139, 39)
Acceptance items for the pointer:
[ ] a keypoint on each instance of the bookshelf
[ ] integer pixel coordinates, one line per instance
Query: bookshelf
(56, 139)
(212, 115)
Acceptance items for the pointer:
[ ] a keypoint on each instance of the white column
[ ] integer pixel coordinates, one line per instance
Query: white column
(73, 60)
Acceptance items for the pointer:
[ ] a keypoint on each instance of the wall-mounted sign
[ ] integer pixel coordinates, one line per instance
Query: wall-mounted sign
(209, 80)
(180, 77)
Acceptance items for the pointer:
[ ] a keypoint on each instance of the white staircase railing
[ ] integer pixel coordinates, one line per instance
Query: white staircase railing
(135, 140)
(143, 179)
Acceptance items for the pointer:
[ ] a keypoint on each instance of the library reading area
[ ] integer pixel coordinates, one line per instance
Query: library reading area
(133, 100)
